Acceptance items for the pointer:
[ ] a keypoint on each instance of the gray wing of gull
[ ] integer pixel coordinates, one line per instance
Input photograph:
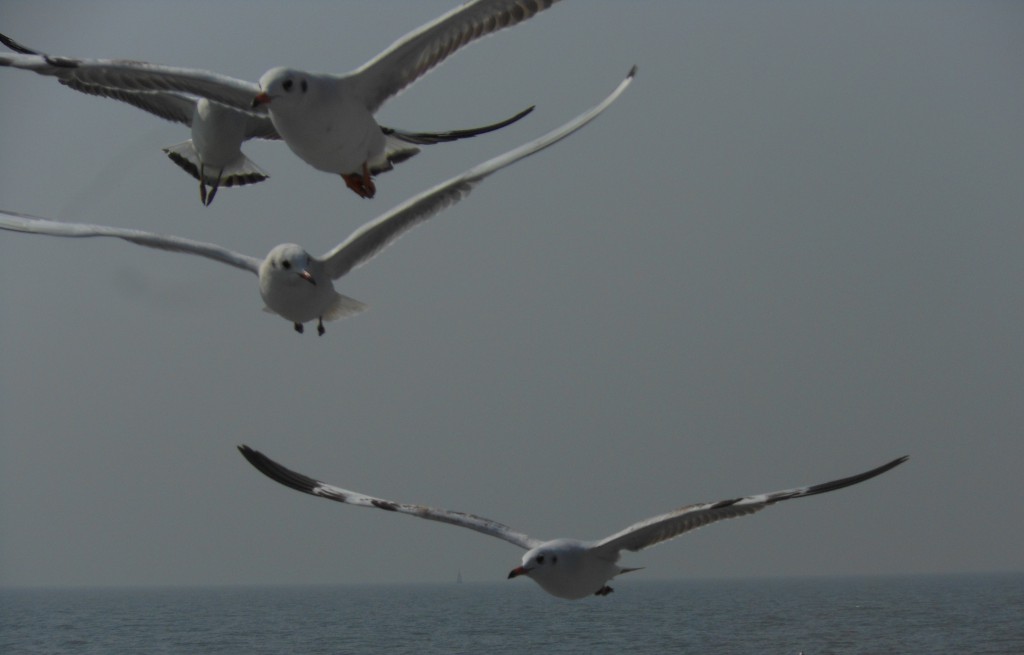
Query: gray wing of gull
(31, 225)
(305, 484)
(374, 236)
(169, 105)
(668, 526)
(140, 76)
(174, 107)
(410, 57)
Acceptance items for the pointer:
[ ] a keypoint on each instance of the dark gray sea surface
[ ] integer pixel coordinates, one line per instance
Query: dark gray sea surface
(905, 614)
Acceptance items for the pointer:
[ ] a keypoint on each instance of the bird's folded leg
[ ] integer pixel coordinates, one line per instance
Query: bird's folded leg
(213, 189)
(604, 591)
(362, 184)
(202, 186)
(298, 328)
(320, 327)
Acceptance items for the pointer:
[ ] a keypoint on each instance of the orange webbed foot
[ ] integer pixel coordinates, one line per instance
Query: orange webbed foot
(362, 184)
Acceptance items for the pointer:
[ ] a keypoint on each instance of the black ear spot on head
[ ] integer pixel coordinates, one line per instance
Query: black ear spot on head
(305, 86)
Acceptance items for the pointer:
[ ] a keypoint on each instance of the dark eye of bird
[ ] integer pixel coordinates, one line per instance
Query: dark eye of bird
(286, 264)
(304, 86)
(287, 85)
(554, 559)
(540, 559)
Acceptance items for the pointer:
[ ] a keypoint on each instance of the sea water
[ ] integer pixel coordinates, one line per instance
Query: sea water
(904, 614)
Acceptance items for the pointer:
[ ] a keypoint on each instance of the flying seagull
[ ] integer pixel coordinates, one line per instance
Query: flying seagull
(214, 153)
(327, 120)
(297, 285)
(566, 568)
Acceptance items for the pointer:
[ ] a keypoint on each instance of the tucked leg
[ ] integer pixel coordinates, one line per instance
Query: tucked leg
(213, 189)
(361, 184)
(604, 591)
(298, 328)
(320, 327)
(202, 185)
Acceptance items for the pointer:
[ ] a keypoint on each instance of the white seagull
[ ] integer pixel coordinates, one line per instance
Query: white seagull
(297, 285)
(214, 153)
(566, 568)
(327, 120)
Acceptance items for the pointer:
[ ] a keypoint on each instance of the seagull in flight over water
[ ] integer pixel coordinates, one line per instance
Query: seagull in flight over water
(566, 568)
(297, 285)
(327, 120)
(214, 153)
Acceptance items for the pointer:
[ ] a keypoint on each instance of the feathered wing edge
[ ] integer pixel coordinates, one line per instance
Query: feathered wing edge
(672, 524)
(308, 485)
(419, 51)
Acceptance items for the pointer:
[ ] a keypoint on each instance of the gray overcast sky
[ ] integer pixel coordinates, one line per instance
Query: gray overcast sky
(791, 252)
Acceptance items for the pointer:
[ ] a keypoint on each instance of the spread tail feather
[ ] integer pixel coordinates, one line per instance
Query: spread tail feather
(343, 307)
(239, 172)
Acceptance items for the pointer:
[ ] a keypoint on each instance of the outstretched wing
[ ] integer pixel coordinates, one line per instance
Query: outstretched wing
(308, 485)
(668, 526)
(174, 107)
(410, 57)
(372, 237)
(32, 225)
(139, 76)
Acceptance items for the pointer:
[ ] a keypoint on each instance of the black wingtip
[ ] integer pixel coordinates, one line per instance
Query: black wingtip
(854, 479)
(17, 47)
(278, 473)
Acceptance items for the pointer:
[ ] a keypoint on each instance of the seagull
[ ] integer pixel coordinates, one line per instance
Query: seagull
(566, 568)
(327, 120)
(297, 285)
(214, 153)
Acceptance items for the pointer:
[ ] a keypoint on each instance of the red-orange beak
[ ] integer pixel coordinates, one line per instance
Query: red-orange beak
(517, 572)
(305, 275)
(261, 99)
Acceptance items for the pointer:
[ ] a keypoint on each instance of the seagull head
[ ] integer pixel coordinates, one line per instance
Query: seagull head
(279, 83)
(288, 264)
(566, 568)
(536, 561)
